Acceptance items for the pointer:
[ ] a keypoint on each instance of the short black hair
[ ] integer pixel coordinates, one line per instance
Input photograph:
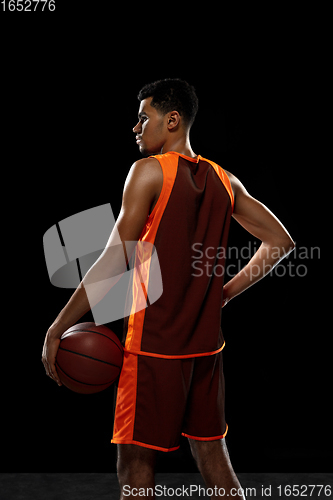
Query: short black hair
(172, 94)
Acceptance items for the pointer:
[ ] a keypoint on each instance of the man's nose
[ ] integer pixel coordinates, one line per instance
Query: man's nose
(137, 128)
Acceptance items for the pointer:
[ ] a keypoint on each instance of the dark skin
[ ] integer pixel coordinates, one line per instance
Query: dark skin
(155, 134)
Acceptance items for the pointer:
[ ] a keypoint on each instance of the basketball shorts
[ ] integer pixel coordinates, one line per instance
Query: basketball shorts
(158, 400)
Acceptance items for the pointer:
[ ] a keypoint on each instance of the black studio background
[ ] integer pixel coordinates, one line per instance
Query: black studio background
(69, 105)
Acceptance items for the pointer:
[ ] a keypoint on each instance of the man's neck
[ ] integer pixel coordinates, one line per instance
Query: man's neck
(181, 146)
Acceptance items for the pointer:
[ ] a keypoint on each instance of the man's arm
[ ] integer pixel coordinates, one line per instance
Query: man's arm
(261, 223)
(142, 188)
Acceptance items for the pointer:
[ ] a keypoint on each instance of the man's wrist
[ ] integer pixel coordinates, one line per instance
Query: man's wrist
(56, 330)
(226, 296)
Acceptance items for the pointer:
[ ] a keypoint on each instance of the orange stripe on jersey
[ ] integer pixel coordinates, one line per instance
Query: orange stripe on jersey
(141, 269)
(169, 168)
(139, 292)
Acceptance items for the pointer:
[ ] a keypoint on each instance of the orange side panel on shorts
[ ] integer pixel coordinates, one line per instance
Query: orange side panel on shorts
(124, 419)
(126, 400)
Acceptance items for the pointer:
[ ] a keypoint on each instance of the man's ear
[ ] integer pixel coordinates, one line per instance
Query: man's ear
(173, 120)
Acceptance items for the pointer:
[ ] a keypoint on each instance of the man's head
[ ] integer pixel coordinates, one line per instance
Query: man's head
(167, 107)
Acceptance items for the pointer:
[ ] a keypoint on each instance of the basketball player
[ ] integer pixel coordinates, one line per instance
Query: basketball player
(172, 377)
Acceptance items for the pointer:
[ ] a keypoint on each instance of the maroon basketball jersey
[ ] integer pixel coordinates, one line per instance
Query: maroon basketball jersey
(189, 228)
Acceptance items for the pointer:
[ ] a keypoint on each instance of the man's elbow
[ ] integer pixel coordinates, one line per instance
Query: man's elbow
(283, 246)
(288, 245)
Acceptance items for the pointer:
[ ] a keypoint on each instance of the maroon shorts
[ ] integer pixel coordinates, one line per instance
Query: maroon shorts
(158, 400)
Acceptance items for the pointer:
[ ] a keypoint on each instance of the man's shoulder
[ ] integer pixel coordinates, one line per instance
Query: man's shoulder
(145, 172)
(146, 164)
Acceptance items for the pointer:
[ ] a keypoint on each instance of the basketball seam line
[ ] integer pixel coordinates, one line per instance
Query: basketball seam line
(90, 357)
(83, 383)
(98, 333)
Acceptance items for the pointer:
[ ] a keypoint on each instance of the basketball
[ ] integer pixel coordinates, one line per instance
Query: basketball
(89, 358)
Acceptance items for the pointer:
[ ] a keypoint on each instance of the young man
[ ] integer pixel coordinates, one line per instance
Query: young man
(172, 378)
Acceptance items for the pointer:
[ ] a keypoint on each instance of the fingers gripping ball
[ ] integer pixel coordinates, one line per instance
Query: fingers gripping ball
(89, 358)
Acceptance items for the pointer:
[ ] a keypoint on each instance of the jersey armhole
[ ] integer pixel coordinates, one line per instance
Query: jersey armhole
(224, 179)
(227, 185)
